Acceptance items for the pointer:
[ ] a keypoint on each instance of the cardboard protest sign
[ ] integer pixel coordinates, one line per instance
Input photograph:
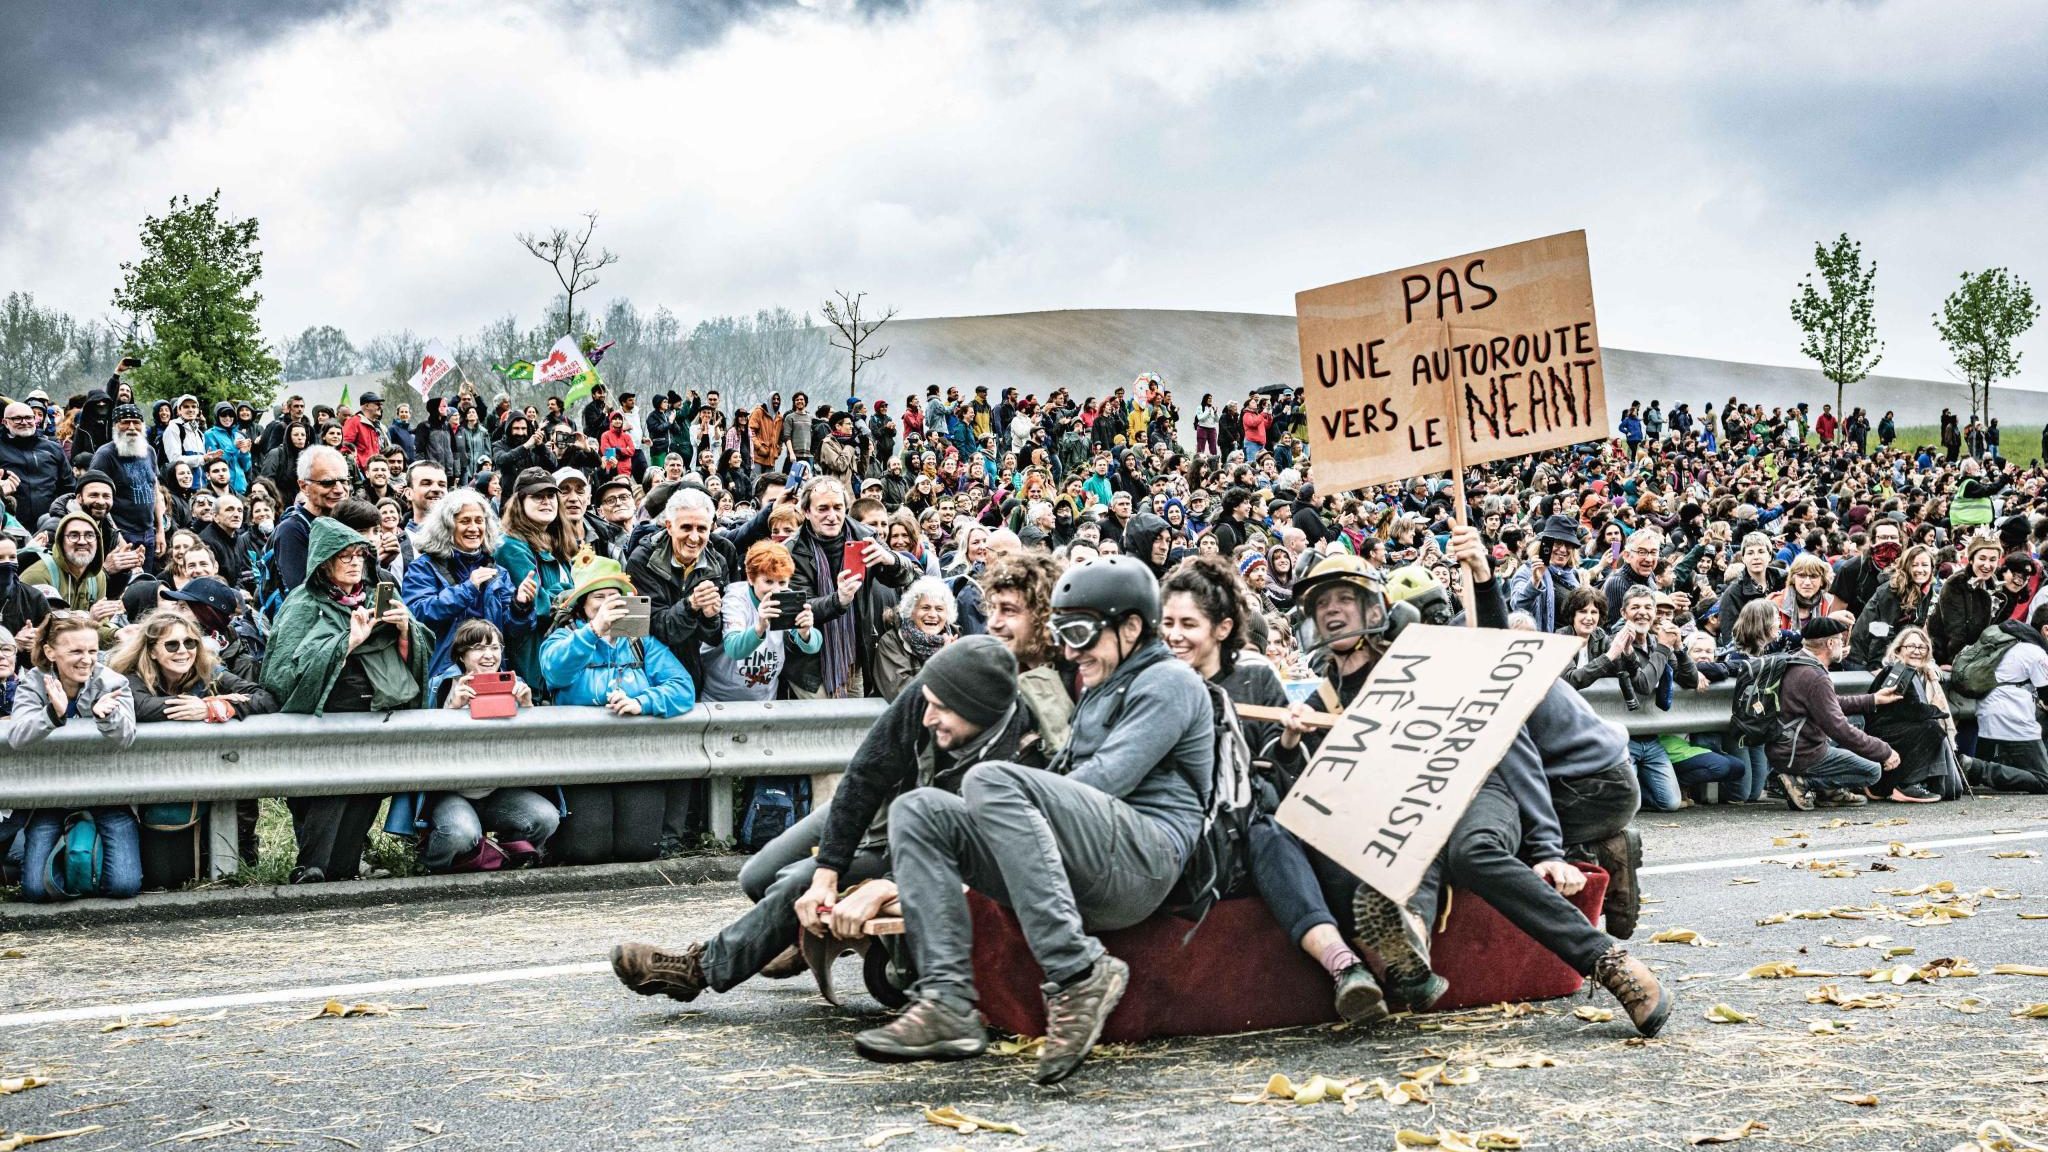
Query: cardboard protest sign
(1436, 715)
(1497, 347)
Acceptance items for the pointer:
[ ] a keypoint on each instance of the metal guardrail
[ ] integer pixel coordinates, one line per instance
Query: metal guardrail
(445, 749)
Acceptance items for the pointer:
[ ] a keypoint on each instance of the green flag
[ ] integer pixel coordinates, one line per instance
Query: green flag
(516, 370)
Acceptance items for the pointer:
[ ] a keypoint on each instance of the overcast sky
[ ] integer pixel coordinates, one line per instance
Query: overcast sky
(956, 157)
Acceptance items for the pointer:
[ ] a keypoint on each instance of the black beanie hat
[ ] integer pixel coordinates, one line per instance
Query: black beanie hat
(975, 676)
(1822, 627)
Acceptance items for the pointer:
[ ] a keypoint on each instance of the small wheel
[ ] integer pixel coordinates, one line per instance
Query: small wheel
(875, 970)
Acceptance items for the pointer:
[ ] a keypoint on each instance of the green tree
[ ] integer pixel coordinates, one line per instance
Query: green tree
(34, 342)
(1979, 322)
(194, 291)
(1837, 314)
(320, 353)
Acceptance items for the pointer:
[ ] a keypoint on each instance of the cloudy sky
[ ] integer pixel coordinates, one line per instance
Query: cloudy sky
(972, 156)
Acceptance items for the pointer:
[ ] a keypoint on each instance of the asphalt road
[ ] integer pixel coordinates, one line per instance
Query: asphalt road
(505, 1031)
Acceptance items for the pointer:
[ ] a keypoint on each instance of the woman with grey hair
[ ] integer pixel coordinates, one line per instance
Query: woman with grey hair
(913, 632)
(454, 578)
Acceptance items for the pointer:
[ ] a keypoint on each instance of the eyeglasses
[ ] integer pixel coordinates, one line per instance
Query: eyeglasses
(187, 645)
(1077, 632)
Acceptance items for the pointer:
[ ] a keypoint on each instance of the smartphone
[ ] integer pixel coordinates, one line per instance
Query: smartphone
(492, 697)
(855, 558)
(386, 595)
(635, 622)
(491, 683)
(789, 603)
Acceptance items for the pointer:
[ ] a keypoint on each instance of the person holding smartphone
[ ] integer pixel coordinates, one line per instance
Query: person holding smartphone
(761, 618)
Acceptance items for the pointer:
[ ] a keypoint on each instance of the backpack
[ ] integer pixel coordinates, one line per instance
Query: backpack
(1757, 717)
(270, 587)
(1222, 847)
(1975, 671)
(79, 859)
(774, 803)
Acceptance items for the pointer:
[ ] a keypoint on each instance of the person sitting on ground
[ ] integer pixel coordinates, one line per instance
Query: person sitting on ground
(1650, 664)
(332, 653)
(1121, 811)
(1827, 759)
(2009, 717)
(1918, 726)
(962, 710)
(451, 826)
(920, 624)
(588, 663)
(67, 683)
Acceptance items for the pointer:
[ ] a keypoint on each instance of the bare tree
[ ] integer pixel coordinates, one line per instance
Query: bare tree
(854, 331)
(574, 264)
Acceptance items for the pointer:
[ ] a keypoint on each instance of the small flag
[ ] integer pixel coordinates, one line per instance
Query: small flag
(579, 388)
(434, 364)
(343, 402)
(597, 353)
(564, 362)
(516, 370)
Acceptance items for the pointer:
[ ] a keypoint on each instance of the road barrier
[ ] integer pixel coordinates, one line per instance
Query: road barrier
(444, 749)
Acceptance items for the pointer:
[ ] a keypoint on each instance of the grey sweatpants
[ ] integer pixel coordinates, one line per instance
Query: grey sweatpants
(1068, 859)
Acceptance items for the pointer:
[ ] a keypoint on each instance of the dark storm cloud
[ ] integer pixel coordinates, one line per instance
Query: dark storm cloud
(658, 31)
(66, 60)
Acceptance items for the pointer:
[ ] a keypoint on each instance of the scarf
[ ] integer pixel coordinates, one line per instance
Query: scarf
(921, 645)
(841, 638)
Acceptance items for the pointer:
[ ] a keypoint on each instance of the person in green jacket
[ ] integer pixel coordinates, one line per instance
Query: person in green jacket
(538, 544)
(330, 652)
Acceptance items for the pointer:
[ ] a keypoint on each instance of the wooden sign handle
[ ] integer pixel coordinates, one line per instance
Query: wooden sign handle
(1279, 715)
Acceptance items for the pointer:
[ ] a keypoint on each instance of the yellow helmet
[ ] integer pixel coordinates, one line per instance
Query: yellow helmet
(1344, 568)
(1412, 584)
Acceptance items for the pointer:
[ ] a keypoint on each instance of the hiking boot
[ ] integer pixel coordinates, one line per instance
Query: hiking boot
(927, 1030)
(1620, 855)
(651, 972)
(306, 875)
(1074, 1017)
(1400, 938)
(1359, 999)
(1797, 797)
(1842, 798)
(788, 964)
(1648, 1003)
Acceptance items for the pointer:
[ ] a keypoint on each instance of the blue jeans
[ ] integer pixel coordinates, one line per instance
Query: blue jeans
(121, 848)
(508, 813)
(1712, 768)
(1658, 778)
(1841, 769)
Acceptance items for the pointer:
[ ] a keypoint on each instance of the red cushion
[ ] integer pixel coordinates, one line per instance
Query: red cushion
(1240, 972)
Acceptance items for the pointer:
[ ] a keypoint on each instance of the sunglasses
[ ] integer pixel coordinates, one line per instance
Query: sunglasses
(187, 645)
(1078, 632)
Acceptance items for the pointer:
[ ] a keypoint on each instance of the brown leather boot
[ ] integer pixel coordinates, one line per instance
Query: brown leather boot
(1619, 856)
(787, 963)
(1648, 1002)
(651, 972)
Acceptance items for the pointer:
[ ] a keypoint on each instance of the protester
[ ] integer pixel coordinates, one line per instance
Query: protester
(1827, 760)
(67, 683)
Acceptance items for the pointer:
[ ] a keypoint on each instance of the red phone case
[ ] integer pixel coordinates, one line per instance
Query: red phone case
(493, 699)
(855, 558)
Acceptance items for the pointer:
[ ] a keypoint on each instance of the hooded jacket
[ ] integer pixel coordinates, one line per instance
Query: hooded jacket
(31, 720)
(78, 590)
(438, 592)
(222, 440)
(1140, 534)
(1144, 736)
(309, 641)
(582, 667)
(683, 629)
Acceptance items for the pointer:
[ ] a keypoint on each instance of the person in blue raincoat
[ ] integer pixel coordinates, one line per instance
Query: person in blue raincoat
(455, 578)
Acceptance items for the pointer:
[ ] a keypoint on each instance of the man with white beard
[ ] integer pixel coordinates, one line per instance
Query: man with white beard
(129, 461)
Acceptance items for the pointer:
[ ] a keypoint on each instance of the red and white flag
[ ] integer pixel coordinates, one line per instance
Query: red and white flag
(435, 363)
(563, 362)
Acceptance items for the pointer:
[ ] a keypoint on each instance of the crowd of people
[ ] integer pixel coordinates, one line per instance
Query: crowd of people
(1033, 584)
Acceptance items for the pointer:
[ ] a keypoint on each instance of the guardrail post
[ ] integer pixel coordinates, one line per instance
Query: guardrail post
(718, 822)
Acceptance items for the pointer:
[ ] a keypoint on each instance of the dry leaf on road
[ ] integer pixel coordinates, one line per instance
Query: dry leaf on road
(12, 1084)
(1866, 1100)
(951, 1117)
(1592, 1015)
(1731, 1135)
(1681, 936)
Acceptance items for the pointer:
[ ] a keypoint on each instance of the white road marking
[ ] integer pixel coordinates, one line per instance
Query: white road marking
(345, 992)
(590, 968)
(1832, 853)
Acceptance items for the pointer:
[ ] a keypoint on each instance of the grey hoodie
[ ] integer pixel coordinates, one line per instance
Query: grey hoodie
(31, 720)
(1141, 735)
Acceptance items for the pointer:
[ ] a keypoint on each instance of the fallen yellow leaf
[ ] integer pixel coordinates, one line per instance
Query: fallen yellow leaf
(1900, 851)
(2018, 970)
(2031, 1012)
(1859, 942)
(2017, 854)
(1783, 970)
(336, 1009)
(1744, 880)
(1592, 1015)
(1866, 1100)
(886, 1135)
(1827, 1027)
(1730, 1136)
(2034, 915)
(1680, 936)
(1968, 1005)
(951, 1117)
(1522, 1060)
(24, 1139)
(1723, 1014)
(1030, 1047)
(12, 1084)
(13, 954)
